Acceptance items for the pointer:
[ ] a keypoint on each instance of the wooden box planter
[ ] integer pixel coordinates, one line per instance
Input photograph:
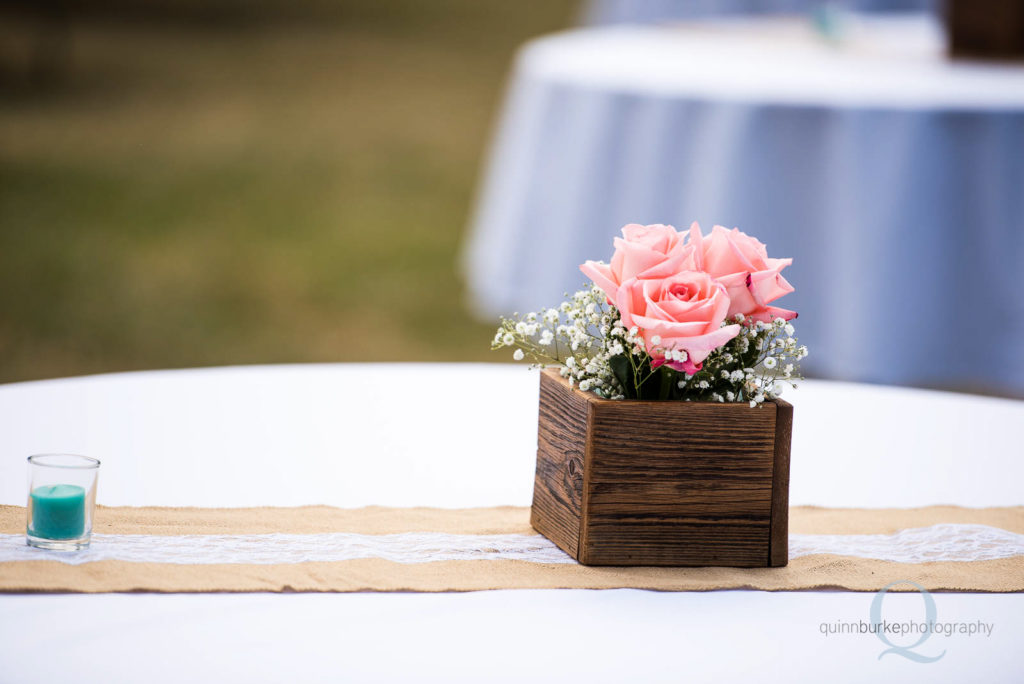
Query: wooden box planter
(661, 482)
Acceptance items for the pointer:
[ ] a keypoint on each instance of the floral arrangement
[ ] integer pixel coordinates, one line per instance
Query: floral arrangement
(674, 316)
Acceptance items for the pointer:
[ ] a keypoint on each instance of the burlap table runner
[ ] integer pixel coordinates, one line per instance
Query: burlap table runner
(318, 548)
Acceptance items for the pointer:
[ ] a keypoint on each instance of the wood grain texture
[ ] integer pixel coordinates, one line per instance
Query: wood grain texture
(778, 554)
(561, 447)
(661, 483)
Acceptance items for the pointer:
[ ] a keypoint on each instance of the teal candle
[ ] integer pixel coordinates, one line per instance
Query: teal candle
(58, 512)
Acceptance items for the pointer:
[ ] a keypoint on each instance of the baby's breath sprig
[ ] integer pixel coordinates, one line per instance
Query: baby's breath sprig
(586, 339)
(753, 367)
(580, 337)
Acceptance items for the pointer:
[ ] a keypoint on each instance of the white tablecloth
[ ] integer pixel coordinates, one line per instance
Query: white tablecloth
(891, 175)
(464, 435)
(601, 12)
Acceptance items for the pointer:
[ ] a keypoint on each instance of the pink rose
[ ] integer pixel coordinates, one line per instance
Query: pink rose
(644, 252)
(685, 310)
(741, 264)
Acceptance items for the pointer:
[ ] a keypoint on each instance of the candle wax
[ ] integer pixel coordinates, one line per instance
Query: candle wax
(58, 512)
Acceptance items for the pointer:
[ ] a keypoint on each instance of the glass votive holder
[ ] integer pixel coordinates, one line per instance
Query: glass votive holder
(61, 498)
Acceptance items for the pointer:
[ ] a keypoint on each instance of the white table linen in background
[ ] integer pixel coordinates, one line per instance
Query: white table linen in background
(890, 174)
(603, 12)
(352, 435)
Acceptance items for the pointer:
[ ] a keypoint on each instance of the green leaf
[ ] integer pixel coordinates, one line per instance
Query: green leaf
(650, 386)
(624, 374)
(666, 383)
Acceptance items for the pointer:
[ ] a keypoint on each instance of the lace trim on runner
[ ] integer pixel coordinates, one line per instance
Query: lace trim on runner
(273, 549)
(944, 542)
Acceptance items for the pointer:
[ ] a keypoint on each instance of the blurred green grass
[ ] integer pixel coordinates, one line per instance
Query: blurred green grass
(273, 190)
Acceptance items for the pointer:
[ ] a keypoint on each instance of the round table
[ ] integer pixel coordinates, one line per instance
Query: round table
(465, 435)
(889, 173)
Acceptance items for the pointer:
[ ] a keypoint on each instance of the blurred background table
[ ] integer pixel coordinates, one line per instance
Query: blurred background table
(349, 435)
(605, 12)
(890, 174)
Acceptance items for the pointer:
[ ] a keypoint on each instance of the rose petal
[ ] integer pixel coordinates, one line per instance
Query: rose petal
(686, 366)
(767, 286)
(722, 256)
(629, 298)
(770, 313)
(741, 301)
(635, 259)
(658, 237)
(697, 244)
(654, 326)
(681, 259)
(698, 347)
(601, 274)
